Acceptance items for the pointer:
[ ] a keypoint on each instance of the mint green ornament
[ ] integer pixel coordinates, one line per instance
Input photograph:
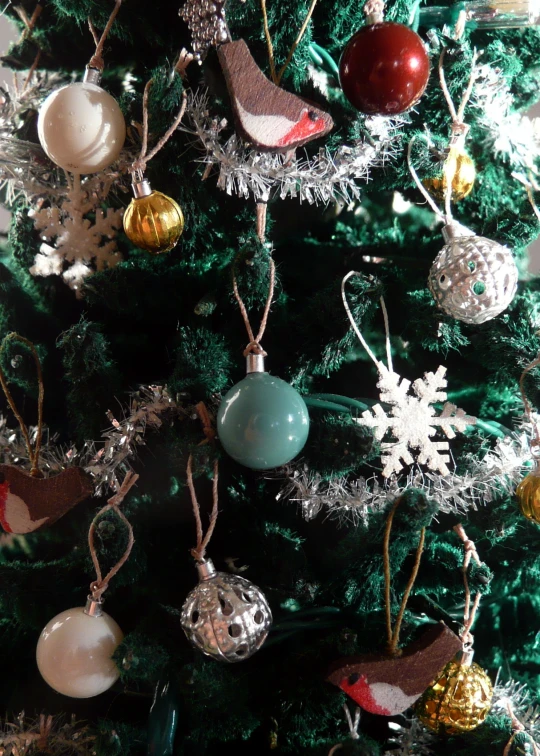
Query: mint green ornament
(262, 422)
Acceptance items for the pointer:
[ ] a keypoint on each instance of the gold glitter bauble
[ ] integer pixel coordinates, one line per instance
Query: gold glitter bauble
(154, 223)
(459, 167)
(458, 701)
(528, 496)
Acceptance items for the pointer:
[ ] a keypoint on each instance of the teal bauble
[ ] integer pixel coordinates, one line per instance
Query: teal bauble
(263, 422)
(163, 719)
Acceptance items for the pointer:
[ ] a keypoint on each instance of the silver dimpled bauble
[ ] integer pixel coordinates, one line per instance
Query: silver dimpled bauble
(225, 616)
(473, 279)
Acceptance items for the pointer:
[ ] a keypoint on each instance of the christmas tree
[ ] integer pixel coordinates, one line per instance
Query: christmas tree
(302, 557)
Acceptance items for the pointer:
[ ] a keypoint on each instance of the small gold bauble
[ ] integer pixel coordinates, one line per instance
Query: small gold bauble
(154, 222)
(528, 496)
(459, 168)
(458, 701)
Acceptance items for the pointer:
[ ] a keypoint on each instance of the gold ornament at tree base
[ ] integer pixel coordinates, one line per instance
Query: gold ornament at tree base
(460, 169)
(528, 496)
(458, 701)
(152, 220)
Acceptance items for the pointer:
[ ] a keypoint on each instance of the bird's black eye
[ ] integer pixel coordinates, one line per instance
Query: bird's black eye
(312, 115)
(353, 678)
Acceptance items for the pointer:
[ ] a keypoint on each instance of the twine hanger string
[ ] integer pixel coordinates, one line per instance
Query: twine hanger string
(254, 345)
(446, 217)
(469, 612)
(33, 452)
(458, 128)
(392, 634)
(276, 77)
(100, 584)
(203, 539)
(535, 441)
(353, 727)
(27, 32)
(517, 728)
(139, 166)
(381, 367)
(96, 61)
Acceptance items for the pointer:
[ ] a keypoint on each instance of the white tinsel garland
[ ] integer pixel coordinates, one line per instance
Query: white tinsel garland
(506, 131)
(107, 461)
(330, 175)
(495, 474)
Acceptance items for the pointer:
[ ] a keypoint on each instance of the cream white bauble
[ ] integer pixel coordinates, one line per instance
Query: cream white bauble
(81, 127)
(74, 653)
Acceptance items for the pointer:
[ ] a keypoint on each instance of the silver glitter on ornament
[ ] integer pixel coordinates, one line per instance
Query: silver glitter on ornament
(473, 279)
(225, 616)
(207, 24)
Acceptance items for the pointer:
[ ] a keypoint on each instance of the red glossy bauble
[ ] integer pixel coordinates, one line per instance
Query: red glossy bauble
(384, 69)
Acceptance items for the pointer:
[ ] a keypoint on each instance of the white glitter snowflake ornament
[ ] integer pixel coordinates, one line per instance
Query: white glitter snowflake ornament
(411, 422)
(80, 245)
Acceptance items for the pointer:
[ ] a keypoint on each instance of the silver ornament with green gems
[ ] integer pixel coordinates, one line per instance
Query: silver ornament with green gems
(225, 616)
(473, 279)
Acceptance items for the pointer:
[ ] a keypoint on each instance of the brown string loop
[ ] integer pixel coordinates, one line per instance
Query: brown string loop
(203, 539)
(33, 453)
(518, 727)
(145, 157)
(392, 635)
(469, 613)
(276, 77)
(96, 61)
(254, 344)
(100, 585)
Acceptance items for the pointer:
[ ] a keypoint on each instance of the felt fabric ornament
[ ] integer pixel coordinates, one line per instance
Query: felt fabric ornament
(390, 682)
(384, 685)
(29, 501)
(265, 114)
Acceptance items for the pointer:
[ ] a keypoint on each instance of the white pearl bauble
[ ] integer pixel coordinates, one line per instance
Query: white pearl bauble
(74, 653)
(81, 128)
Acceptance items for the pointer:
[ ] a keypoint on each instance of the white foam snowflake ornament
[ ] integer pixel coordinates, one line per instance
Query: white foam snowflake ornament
(412, 421)
(80, 245)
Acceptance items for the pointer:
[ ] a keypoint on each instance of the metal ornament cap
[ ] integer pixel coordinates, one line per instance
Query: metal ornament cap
(473, 279)
(225, 616)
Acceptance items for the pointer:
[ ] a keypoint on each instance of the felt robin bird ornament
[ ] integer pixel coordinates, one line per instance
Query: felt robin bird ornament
(266, 115)
(389, 685)
(29, 503)
(28, 499)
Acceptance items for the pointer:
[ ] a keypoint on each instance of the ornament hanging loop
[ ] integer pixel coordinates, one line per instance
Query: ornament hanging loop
(33, 453)
(459, 129)
(203, 539)
(392, 635)
(381, 367)
(139, 166)
(96, 61)
(100, 585)
(254, 345)
(469, 612)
